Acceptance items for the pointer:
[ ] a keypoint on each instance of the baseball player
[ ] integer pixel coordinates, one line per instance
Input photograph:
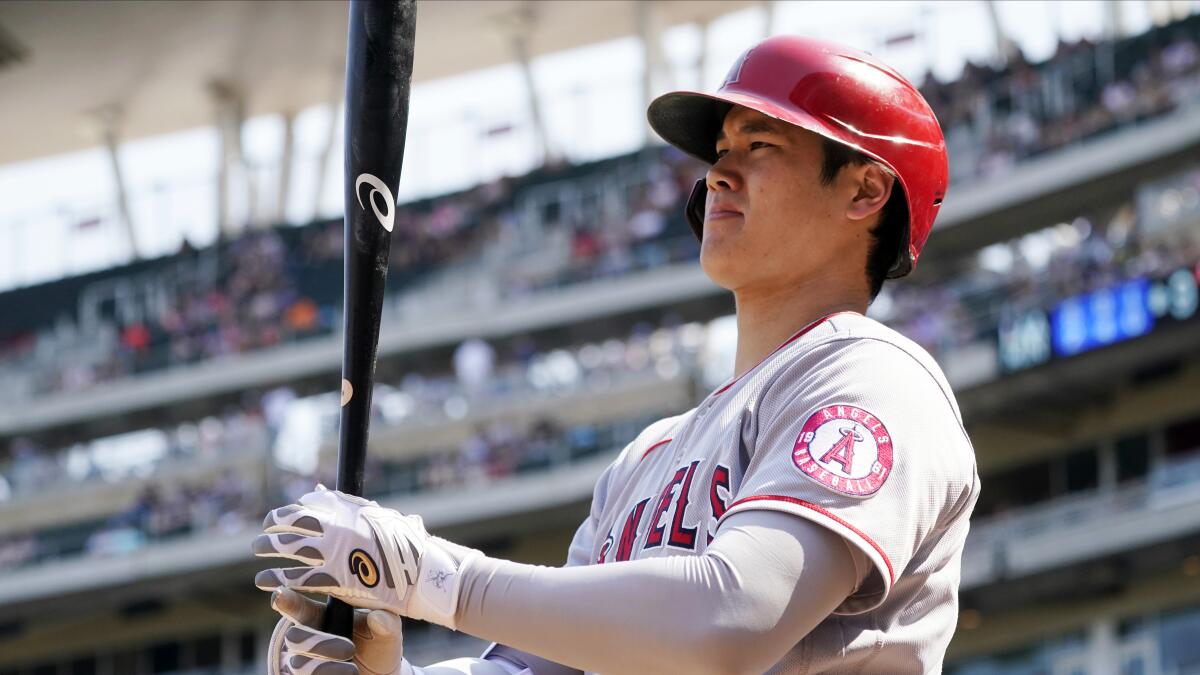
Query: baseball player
(807, 517)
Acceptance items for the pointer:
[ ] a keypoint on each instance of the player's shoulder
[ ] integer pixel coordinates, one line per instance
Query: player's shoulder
(857, 374)
(850, 356)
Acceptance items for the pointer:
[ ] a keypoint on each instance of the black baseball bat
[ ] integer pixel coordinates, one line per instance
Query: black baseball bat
(379, 59)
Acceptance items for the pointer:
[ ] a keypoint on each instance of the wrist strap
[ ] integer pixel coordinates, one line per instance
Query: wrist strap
(435, 595)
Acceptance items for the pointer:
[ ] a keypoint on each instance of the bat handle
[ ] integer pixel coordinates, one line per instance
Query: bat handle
(338, 619)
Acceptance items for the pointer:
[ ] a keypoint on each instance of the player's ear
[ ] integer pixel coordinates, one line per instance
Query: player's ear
(873, 187)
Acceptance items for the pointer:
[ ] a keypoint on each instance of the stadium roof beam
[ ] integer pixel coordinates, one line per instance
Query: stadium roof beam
(108, 119)
(230, 115)
(1006, 49)
(161, 55)
(285, 166)
(518, 27)
(336, 94)
(649, 28)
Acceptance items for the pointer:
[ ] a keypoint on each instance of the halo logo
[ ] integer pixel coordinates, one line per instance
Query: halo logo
(377, 187)
(845, 448)
(364, 568)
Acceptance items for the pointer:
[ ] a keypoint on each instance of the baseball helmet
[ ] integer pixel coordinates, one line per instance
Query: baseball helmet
(845, 95)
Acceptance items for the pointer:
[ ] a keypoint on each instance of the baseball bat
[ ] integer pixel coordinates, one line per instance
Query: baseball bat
(379, 58)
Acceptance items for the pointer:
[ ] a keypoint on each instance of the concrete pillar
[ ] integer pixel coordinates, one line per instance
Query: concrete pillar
(702, 57)
(335, 102)
(1005, 48)
(520, 44)
(1102, 647)
(516, 27)
(108, 119)
(649, 26)
(1114, 27)
(285, 167)
(230, 113)
(1107, 459)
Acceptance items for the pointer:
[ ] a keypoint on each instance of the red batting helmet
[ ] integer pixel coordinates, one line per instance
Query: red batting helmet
(842, 94)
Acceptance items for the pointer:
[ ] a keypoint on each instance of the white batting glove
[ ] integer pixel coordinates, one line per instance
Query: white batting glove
(364, 554)
(297, 648)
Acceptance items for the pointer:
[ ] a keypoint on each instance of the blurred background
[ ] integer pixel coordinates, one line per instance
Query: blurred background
(170, 303)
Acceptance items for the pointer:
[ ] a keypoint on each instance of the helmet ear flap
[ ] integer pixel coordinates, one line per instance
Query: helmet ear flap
(694, 211)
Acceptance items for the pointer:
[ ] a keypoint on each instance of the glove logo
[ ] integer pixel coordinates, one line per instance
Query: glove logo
(377, 188)
(364, 568)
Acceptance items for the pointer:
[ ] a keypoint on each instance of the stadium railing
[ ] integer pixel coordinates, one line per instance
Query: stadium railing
(1026, 540)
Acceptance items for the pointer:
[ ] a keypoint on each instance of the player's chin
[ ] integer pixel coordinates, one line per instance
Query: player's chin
(718, 262)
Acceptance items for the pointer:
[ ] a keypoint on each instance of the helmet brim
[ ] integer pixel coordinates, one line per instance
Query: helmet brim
(691, 120)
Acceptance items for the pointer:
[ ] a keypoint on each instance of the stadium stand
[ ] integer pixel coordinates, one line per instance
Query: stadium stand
(1072, 345)
(608, 218)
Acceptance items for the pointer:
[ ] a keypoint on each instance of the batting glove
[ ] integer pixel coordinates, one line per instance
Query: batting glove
(299, 649)
(364, 554)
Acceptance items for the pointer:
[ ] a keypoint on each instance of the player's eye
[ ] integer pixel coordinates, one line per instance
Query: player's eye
(760, 144)
(721, 152)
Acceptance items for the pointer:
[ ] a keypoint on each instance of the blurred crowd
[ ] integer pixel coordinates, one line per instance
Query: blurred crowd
(182, 500)
(501, 449)
(228, 502)
(997, 117)
(233, 500)
(964, 302)
(598, 221)
(576, 223)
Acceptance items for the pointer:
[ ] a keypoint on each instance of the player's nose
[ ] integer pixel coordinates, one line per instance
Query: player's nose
(723, 176)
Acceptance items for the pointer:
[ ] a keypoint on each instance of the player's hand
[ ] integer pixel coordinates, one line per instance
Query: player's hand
(364, 554)
(297, 648)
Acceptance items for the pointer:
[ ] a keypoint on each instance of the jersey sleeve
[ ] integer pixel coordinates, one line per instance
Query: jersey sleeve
(580, 550)
(860, 437)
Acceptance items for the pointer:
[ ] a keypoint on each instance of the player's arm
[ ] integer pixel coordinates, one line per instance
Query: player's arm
(765, 581)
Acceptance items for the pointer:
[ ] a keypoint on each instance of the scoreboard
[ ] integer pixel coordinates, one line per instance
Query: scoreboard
(1115, 313)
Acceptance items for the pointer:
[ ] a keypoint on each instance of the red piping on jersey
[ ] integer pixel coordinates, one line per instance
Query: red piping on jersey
(800, 333)
(827, 514)
(655, 447)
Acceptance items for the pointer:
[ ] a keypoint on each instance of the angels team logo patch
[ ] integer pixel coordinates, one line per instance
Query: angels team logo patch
(845, 448)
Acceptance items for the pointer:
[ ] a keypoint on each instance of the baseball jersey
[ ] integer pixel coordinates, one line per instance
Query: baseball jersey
(848, 425)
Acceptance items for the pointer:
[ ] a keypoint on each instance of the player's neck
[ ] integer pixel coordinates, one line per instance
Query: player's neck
(767, 318)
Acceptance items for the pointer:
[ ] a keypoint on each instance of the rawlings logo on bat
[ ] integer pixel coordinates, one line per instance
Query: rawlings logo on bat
(377, 187)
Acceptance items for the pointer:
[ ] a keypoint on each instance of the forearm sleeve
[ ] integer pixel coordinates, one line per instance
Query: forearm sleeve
(765, 581)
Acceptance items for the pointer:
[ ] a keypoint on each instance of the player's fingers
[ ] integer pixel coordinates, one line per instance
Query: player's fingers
(379, 625)
(386, 634)
(295, 578)
(321, 498)
(308, 665)
(318, 644)
(295, 519)
(303, 579)
(291, 546)
(296, 607)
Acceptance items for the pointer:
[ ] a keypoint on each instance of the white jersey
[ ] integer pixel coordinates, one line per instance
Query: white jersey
(847, 424)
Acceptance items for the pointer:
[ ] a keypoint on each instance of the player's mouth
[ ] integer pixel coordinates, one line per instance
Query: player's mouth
(722, 210)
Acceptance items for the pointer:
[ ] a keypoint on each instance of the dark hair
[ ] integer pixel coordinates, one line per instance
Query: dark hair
(888, 234)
